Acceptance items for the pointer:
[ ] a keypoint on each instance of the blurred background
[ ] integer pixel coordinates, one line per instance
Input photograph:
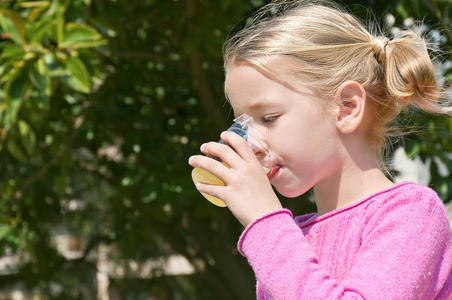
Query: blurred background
(101, 104)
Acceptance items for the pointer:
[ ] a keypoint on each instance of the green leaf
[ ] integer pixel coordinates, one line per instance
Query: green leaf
(51, 61)
(43, 28)
(59, 21)
(59, 8)
(3, 113)
(42, 67)
(5, 69)
(29, 4)
(28, 137)
(77, 75)
(40, 77)
(87, 44)
(12, 51)
(15, 149)
(105, 28)
(412, 148)
(4, 231)
(103, 50)
(12, 24)
(62, 5)
(37, 76)
(14, 90)
(78, 34)
(400, 8)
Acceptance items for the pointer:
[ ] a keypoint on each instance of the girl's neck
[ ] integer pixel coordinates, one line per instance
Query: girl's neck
(348, 190)
(356, 179)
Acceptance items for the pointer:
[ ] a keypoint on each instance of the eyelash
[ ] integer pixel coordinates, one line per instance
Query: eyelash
(269, 120)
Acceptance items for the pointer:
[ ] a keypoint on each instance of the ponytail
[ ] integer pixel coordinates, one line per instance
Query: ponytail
(409, 74)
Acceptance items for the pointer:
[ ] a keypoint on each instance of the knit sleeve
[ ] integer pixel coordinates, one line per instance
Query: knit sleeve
(406, 253)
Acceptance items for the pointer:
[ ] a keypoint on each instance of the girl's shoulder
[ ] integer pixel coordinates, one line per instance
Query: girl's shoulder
(397, 200)
(403, 194)
(406, 204)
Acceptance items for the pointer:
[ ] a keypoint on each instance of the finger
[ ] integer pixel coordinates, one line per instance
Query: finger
(210, 165)
(239, 144)
(224, 152)
(216, 149)
(216, 191)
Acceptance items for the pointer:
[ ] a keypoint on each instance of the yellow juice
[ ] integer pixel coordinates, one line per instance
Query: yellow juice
(199, 175)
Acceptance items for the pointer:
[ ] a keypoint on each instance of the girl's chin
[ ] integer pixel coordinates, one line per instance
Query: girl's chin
(290, 194)
(289, 191)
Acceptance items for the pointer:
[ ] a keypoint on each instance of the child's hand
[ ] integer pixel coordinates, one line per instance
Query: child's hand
(247, 191)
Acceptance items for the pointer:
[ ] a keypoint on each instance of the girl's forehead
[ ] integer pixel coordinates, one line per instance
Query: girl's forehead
(245, 82)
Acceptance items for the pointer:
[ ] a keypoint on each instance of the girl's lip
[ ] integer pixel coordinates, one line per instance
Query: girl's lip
(273, 172)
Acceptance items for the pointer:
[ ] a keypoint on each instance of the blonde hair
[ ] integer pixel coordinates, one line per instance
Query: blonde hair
(319, 45)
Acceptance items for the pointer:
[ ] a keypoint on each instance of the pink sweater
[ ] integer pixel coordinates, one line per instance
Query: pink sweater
(395, 244)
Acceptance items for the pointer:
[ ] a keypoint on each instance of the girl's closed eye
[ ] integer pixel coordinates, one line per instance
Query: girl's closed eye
(269, 119)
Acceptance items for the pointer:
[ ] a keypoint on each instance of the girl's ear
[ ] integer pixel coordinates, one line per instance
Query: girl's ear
(350, 99)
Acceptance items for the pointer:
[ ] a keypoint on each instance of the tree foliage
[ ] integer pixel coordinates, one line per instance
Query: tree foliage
(102, 103)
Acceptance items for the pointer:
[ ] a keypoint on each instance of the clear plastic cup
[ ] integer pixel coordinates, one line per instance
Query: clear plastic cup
(244, 127)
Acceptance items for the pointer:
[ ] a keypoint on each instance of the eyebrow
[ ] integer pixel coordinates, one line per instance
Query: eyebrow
(258, 104)
(262, 103)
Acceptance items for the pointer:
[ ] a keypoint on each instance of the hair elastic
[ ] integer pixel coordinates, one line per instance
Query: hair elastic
(380, 51)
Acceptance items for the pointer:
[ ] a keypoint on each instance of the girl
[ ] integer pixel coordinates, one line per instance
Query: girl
(323, 91)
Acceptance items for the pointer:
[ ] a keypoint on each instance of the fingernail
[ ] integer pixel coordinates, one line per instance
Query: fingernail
(202, 146)
(190, 160)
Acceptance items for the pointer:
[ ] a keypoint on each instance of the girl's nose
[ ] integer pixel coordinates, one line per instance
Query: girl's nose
(258, 148)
